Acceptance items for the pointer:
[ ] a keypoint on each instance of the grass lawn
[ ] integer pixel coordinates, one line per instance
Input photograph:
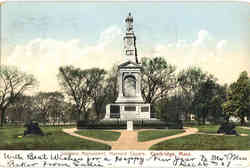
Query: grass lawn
(155, 134)
(207, 142)
(210, 129)
(100, 134)
(54, 139)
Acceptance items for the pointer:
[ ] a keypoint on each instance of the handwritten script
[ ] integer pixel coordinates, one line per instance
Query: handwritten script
(96, 159)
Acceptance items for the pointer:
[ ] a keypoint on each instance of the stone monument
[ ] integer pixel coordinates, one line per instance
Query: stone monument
(129, 104)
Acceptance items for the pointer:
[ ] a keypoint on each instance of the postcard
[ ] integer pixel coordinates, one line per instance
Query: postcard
(125, 84)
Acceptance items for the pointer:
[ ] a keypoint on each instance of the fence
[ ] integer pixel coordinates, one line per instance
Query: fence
(18, 124)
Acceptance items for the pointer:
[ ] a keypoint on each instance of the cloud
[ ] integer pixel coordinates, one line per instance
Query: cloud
(221, 44)
(110, 34)
(204, 40)
(43, 57)
(213, 56)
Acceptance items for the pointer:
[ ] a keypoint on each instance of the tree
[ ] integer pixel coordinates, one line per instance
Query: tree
(105, 93)
(216, 103)
(169, 108)
(97, 93)
(21, 110)
(202, 101)
(158, 78)
(190, 80)
(238, 99)
(48, 106)
(74, 83)
(111, 85)
(80, 86)
(57, 107)
(71, 113)
(12, 84)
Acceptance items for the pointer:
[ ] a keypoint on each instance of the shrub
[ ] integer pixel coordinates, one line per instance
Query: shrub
(227, 128)
(190, 123)
(103, 124)
(121, 124)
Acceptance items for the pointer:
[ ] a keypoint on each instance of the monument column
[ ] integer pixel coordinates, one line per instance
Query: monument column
(129, 104)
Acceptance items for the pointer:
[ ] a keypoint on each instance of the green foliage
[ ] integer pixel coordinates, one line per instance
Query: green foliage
(158, 78)
(13, 83)
(170, 109)
(189, 81)
(54, 139)
(238, 99)
(111, 87)
(211, 129)
(192, 91)
(215, 108)
(100, 134)
(97, 94)
(103, 124)
(82, 86)
(201, 95)
(48, 106)
(121, 124)
(155, 134)
(191, 123)
(21, 109)
(202, 102)
(207, 142)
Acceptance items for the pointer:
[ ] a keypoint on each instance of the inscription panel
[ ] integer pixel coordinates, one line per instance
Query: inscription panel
(145, 109)
(130, 108)
(114, 111)
(129, 86)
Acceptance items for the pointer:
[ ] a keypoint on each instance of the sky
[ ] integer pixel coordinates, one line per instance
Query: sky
(39, 37)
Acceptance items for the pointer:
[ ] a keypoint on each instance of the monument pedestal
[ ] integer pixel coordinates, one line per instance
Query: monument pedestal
(129, 105)
(129, 125)
(128, 112)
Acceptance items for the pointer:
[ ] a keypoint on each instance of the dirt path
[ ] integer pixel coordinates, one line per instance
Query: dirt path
(71, 131)
(203, 133)
(128, 139)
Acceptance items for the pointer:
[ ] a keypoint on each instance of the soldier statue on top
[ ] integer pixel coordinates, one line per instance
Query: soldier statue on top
(129, 21)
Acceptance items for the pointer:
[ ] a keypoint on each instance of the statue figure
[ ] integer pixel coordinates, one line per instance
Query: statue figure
(129, 21)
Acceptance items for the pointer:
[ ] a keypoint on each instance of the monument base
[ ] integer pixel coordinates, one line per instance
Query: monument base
(128, 112)
(129, 125)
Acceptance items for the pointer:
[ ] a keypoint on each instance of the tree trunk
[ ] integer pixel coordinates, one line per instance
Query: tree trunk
(227, 119)
(2, 116)
(199, 121)
(187, 116)
(204, 116)
(203, 120)
(82, 113)
(96, 110)
(242, 121)
(79, 115)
